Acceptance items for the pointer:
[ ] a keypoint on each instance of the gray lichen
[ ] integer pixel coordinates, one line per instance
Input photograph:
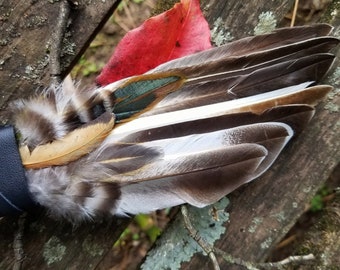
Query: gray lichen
(34, 71)
(4, 41)
(307, 189)
(219, 33)
(266, 244)
(91, 247)
(256, 222)
(35, 21)
(12, 31)
(267, 23)
(280, 216)
(53, 250)
(176, 246)
(68, 47)
(334, 80)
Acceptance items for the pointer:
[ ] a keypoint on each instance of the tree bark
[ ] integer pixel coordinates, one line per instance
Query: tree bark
(262, 212)
(25, 31)
(25, 37)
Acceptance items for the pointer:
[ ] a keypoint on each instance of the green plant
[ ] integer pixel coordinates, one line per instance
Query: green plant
(317, 202)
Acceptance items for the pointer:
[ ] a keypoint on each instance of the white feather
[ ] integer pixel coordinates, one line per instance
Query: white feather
(147, 197)
(202, 112)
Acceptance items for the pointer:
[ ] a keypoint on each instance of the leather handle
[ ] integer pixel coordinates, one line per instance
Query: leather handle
(14, 194)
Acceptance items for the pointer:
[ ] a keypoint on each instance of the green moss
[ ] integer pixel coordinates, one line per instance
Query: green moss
(316, 203)
(86, 67)
(147, 225)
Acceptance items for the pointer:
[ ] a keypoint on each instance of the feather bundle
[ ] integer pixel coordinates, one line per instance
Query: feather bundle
(189, 131)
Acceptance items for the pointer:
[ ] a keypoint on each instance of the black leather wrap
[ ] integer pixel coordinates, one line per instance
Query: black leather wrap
(14, 194)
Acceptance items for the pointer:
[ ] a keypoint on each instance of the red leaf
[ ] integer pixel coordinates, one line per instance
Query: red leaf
(177, 32)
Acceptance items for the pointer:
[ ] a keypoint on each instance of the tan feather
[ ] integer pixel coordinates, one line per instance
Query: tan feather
(70, 148)
(308, 96)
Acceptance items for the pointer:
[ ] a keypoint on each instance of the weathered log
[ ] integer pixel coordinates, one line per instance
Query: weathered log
(25, 32)
(261, 213)
(25, 36)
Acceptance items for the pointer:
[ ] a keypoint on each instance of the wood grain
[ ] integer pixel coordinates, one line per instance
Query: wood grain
(262, 212)
(25, 32)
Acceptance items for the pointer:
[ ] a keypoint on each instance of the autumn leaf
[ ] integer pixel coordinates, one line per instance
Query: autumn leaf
(177, 32)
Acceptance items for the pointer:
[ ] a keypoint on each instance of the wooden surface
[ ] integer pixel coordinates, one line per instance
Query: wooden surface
(25, 31)
(270, 206)
(263, 212)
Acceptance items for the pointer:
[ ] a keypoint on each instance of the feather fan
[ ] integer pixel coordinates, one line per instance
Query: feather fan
(189, 131)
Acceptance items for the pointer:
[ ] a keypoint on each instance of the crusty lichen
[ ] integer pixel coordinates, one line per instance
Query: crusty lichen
(35, 21)
(34, 70)
(266, 243)
(333, 79)
(53, 250)
(176, 246)
(219, 33)
(256, 222)
(91, 247)
(331, 13)
(280, 216)
(267, 23)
